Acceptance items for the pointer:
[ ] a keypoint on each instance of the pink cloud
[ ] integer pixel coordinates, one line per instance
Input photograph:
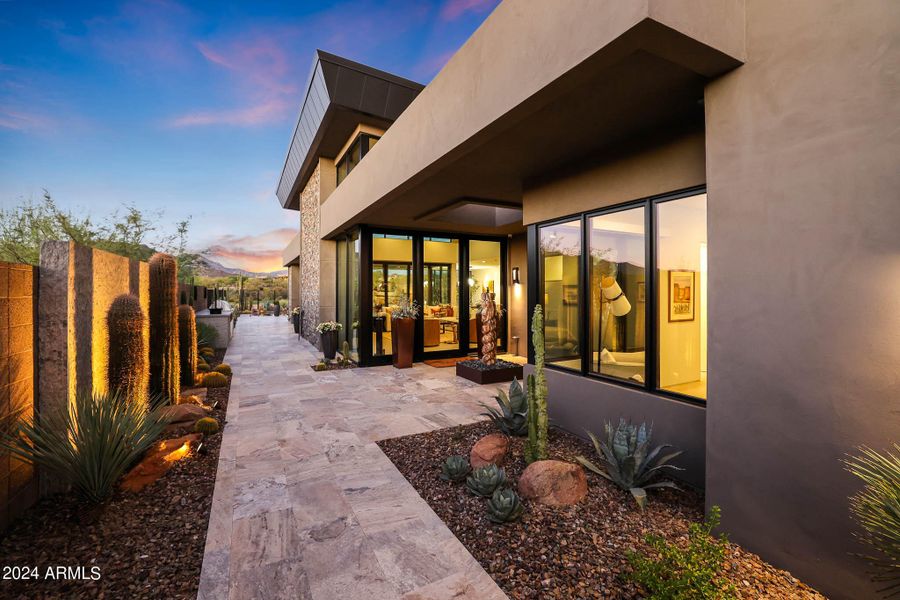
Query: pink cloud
(453, 9)
(430, 65)
(19, 120)
(260, 253)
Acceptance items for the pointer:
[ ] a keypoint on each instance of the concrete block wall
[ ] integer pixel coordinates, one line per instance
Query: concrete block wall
(18, 307)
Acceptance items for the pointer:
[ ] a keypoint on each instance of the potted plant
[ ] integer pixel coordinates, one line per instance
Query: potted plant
(295, 319)
(328, 333)
(403, 321)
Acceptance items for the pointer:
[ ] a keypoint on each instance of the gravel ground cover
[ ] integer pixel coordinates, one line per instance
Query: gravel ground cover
(146, 545)
(571, 552)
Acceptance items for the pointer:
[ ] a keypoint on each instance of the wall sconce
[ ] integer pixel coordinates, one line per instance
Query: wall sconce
(515, 276)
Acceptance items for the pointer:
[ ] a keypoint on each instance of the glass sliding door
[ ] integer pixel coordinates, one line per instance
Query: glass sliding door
(440, 294)
(485, 274)
(391, 281)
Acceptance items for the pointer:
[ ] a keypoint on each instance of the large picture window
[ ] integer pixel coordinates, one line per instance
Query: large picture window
(640, 316)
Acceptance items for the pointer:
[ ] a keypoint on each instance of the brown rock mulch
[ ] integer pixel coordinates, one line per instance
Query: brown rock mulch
(566, 552)
(146, 545)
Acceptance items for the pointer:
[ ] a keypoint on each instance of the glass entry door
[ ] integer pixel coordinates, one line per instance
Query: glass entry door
(440, 294)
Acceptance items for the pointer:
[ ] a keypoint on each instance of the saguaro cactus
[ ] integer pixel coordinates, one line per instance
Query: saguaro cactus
(536, 447)
(128, 370)
(164, 365)
(187, 343)
(488, 329)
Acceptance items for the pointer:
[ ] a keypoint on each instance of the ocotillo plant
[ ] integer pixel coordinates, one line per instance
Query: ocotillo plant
(187, 343)
(488, 329)
(164, 365)
(536, 447)
(128, 369)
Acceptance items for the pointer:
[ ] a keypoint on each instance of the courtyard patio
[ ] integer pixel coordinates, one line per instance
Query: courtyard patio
(306, 505)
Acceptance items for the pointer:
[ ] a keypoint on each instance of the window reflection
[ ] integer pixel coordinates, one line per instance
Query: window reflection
(560, 248)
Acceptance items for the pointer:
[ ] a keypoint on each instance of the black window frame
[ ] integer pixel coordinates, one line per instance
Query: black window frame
(365, 142)
(651, 340)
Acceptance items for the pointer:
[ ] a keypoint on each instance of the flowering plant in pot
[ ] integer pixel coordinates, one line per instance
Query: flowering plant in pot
(403, 319)
(328, 333)
(295, 319)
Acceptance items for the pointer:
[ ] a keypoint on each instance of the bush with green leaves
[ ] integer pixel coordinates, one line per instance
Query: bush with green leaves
(455, 468)
(629, 461)
(512, 418)
(504, 506)
(877, 509)
(693, 572)
(483, 481)
(91, 444)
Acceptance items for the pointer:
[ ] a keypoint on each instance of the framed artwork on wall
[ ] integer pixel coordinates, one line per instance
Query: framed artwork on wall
(682, 295)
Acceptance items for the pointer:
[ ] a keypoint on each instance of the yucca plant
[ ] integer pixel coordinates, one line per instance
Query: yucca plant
(512, 418)
(206, 335)
(877, 509)
(483, 481)
(628, 460)
(455, 468)
(504, 506)
(91, 444)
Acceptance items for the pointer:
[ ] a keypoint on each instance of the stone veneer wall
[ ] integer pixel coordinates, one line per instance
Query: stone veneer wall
(309, 255)
(18, 309)
(77, 284)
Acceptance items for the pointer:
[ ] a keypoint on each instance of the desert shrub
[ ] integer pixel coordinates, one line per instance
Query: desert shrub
(206, 335)
(91, 444)
(223, 368)
(165, 367)
(214, 380)
(688, 573)
(187, 343)
(128, 370)
(877, 509)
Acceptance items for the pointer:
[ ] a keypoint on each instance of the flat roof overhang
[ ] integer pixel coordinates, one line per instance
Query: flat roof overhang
(533, 91)
(291, 253)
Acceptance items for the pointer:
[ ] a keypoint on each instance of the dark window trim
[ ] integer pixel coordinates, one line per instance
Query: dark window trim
(651, 367)
(363, 139)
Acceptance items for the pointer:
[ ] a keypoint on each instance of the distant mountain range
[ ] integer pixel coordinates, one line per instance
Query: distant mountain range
(210, 268)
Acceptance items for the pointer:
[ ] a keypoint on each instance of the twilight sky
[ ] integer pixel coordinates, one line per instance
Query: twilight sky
(188, 107)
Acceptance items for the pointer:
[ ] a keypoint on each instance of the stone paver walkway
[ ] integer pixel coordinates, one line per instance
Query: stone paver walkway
(305, 504)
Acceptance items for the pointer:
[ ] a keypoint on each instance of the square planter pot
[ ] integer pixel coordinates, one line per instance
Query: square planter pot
(482, 377)
(402, 333)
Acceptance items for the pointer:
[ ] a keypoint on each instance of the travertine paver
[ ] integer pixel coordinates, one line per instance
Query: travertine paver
(305, 504)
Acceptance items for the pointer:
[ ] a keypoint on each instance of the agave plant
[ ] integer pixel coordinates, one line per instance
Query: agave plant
(877, 509)
(455, 468)
(91, 444)
(512, 418)
(628, 460)
(484, 480)
(504, 506)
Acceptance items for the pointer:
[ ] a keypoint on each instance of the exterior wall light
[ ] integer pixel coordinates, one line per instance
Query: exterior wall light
(515, 276)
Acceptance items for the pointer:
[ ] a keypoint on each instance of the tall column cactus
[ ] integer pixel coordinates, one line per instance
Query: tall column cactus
(187, 343)
(164, 364)
(488, 329)
(128, 370)
(536, 447)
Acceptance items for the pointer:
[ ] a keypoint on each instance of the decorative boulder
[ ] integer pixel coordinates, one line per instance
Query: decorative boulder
(183, 413)
(553, 482)
(158, 460)
(491, 449)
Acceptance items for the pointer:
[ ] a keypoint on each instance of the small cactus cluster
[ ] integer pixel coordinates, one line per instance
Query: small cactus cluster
(165, 366)
(187, 343)
(455, 468)
(483, 481)
(223, 368)
(128, 371)
(504, 506)
(214, 379)
(206, 426)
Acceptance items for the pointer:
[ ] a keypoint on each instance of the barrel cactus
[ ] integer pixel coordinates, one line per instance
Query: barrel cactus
(483, 481)
(504, 506)
(187, 343)
(223, 368)
(203, 368)
(214, 379)
(455, 468)
(165, 371)
(206, 426)
(128, 371)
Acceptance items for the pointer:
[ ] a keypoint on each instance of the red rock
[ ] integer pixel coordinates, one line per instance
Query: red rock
(183, 413)
(553, 482)
(158, 460)
(489, 449)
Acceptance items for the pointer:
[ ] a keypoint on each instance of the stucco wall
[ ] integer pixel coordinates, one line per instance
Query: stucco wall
(18, 319)
(804, 266)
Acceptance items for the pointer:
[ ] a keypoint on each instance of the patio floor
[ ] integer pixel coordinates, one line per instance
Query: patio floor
(306, 505)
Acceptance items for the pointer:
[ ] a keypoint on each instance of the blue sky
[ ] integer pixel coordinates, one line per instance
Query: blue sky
(188, 107)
